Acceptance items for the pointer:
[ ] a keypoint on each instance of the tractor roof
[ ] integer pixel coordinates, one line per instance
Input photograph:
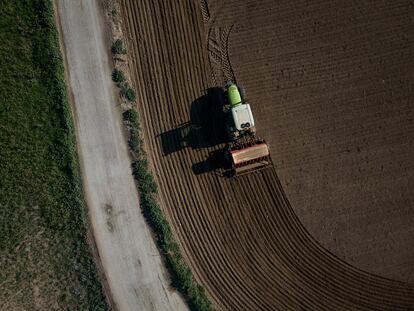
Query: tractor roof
(243, 117)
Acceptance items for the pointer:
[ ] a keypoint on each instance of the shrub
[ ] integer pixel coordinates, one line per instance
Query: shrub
(147, 183)
(131, 116)
(139, 166)
(199, 299)
(130, 94)
(118, 47)
(118, 76)
(134, 140)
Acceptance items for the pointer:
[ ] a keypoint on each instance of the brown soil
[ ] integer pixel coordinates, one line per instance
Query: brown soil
(314, 76)
(338, 113)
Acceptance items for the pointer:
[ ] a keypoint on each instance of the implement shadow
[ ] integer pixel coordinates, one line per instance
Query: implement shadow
(205, 129)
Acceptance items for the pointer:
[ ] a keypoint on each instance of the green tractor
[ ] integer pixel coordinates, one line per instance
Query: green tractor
(239, 116)
(245, 151)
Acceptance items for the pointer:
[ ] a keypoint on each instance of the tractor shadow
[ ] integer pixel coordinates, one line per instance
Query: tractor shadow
(204, 130)
(216, 162)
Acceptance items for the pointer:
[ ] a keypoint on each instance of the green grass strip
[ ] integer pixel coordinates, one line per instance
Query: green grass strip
(40, 189)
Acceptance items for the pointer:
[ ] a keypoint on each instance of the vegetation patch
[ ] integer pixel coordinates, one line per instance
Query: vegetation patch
(128, 92)
(45, 261)
(118, 47)
(118, 76)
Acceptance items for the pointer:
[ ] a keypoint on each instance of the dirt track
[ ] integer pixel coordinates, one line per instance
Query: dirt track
(241, 236)
(130, 260)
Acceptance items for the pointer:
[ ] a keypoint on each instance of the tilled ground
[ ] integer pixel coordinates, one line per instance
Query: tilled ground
(332, 90)
(241, 237)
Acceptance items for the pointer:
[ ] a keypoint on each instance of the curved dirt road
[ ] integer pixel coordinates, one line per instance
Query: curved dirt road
(129, 257)
(241, 236)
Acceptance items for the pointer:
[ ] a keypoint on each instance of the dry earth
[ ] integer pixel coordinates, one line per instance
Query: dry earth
(338, 112)
(241, 236)
(130, 260)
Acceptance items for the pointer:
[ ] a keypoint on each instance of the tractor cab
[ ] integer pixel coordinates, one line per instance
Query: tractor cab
(243, 117)
(239, 113)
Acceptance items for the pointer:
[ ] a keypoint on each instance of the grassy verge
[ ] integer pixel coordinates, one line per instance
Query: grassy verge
(45, 261)
(182, 278)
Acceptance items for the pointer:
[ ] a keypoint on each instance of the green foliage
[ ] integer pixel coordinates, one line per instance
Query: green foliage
(118, 47)
(199, 298)
(131, 116)
(128, 92)
(118, 76)
(42, 214)
(145, 180)
(130, 95)
(134, 141)
(182, 277)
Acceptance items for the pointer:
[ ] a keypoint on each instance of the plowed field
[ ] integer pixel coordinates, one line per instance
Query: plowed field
(241, 236)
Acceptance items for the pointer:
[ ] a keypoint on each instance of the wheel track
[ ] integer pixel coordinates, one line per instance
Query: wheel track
(217, 46)
(204, 249)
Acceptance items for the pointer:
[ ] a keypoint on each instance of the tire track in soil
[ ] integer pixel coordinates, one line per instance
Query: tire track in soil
(217, 46)
(241, 237)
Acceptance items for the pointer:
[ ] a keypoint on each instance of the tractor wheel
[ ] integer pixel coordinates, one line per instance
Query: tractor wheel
(242, 93)
(225, 99)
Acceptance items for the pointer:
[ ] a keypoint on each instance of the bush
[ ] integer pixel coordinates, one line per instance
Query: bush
(118, 76)
(199, 299)
(147, 183)
(130, 94)
(139, 166)
(131, 116)
(118, 47)
(134, 140)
